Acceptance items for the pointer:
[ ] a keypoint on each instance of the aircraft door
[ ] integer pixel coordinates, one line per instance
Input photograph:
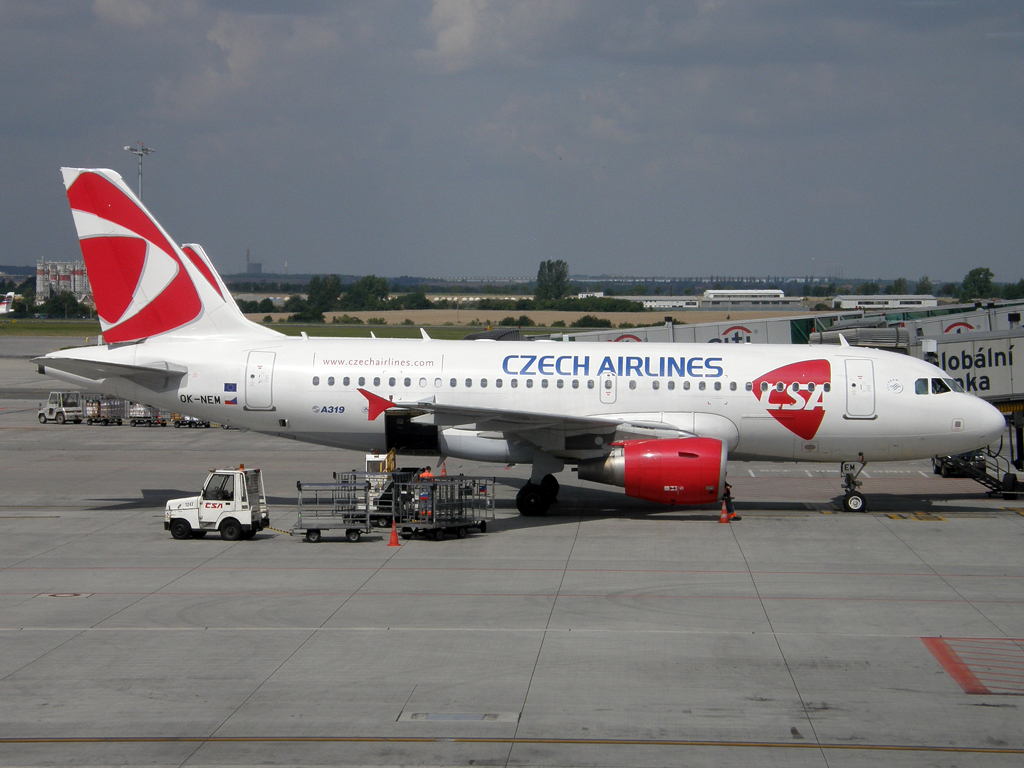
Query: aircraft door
(860, 389)
(608, 382)
(259, 381)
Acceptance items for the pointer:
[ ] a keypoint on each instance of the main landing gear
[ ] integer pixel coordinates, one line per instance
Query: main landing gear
(854, 500)
(534, 499)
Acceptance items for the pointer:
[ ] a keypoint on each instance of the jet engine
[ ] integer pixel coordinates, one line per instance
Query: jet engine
(688, 470)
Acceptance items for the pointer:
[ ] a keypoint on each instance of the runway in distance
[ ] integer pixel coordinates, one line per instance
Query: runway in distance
(661, 420)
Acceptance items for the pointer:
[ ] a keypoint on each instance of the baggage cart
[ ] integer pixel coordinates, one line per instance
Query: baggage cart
(341, 505)
(106, 410)
(142, 415)
(444, 506)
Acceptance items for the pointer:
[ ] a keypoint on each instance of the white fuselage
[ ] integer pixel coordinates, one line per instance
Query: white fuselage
(835, 403)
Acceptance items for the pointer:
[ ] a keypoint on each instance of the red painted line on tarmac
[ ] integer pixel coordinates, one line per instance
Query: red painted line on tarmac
(954, 665)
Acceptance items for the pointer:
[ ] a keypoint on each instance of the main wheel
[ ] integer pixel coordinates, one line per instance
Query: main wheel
(42, 418)
(180, 529)
(352, 534)
(313, 535)
(231, 530)
(550, 486)
(855, 502)
(531, 501)
(59, 418)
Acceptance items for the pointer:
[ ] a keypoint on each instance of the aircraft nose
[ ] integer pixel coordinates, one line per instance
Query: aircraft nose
(990, 422)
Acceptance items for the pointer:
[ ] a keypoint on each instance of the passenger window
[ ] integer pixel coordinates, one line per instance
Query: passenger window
(529, 383)
(702, 386)
(330, 381)
(316, 381)
(607, 383)
(750, 386)
(780, 387)
(544, 383)
(575, 383)
(346, 381)
(515, 383)
(391, 381)
(718, 386)
(453, 383)
(559, 383)
(795, 387)
(732, 386)
(921, 387)
(940, 387)
(590, 383)
(362, 381)
(671, 385)
(655, 384)
(827, 387)
(407, 382)
(437, 383)
(423, 383)
(497, 383)
(469, 382)
(764, 386)
(483, 382)
(810, 387)
(376, 381)
(686, 385)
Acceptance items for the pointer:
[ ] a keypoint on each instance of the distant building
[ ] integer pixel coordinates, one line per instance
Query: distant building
(757, 297)
(53, 277)
(884, 302)
(252, 267)
(591, 295)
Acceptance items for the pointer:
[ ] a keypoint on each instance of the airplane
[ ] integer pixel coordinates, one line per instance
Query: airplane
(7, 303)
(661, 420)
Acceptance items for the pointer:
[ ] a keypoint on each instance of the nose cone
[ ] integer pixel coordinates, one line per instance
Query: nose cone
(987, 422)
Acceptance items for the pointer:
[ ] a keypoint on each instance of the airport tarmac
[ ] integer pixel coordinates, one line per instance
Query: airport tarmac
(609, 632)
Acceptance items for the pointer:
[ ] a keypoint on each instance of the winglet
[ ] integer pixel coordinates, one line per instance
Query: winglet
(377, 404)
(425, 336)
(842, 341)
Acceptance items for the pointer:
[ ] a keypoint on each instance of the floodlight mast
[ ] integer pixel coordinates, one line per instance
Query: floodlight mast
(141, 150)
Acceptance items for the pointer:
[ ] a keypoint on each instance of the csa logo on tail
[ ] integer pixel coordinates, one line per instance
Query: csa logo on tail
(793, 395)
(140, 284)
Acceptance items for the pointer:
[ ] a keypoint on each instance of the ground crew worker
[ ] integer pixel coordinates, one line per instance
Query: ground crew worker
(729, 508)
(426, 474)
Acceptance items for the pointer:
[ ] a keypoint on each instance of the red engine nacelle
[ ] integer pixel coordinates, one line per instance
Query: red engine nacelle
(688, 470)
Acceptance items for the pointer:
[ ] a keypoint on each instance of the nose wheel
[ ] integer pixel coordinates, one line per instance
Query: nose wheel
(854, 500)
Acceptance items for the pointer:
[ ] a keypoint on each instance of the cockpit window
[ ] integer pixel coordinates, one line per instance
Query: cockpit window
(921, 386)
(954, 385)
(939, 386)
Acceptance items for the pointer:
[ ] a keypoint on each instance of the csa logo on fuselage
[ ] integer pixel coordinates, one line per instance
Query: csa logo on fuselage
(793, 395)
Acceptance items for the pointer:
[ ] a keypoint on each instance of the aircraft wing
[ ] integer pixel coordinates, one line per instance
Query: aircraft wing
(546, 430)
(158, 375)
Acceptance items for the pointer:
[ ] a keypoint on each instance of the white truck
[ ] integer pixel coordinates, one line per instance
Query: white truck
(62, 407)
(232, 501)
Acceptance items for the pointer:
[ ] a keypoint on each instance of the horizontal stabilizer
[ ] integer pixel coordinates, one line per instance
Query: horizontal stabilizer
(158, 376)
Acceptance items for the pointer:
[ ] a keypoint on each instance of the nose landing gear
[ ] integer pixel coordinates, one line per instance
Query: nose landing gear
(854, 500)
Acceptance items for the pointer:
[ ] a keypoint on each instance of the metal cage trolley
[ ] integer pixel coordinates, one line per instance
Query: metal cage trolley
(344, 504)
(444, 506)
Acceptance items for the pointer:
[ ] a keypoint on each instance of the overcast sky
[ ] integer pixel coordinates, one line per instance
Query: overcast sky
(476, 138)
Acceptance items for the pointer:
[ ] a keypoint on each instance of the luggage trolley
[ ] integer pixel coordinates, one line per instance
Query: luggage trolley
(443, 506)
(343, 504)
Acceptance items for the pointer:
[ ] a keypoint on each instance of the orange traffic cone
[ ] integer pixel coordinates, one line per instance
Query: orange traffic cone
(394, 535)
(725, 515)
(444, 469)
